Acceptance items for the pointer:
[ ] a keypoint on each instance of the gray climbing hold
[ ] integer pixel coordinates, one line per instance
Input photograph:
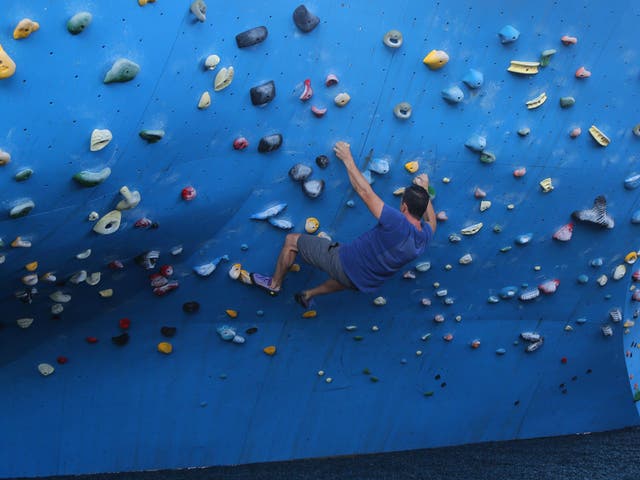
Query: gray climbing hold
(454, 238)
(523, 132)
(122, 70)
(23, 175)
(79, 22)
(304, 19)
(523, 239)
(453, 94)
(151, 136)
(632, 182)
(508, 34)
(313, 188)
(281, 223)
(392, 39)
(263, 94)
(402, 110)
(566, 102)
(252, 37)
(300, 172)
(473, 78)
(492, 299)
(269, 143)
(22, 209)
(476, 143)
(87, 178)
(199, 9)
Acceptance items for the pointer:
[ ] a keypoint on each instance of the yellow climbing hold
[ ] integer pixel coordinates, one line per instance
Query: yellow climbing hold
(223, 79)
(546, 185)
(294, 268)
(270, 350)
(20, 242)
(311, 225)
(310, 314)
(536, 102)
(142, 3)
(412, 167)
(398, 191)
(7, 66)
(33, 266)
(523, 68)
(25, 28)
(245, 277)
(598, 136)
(234, 271)
(165, 347)
(232, 313)
(631, 257)
(205, 101)
(436, 59)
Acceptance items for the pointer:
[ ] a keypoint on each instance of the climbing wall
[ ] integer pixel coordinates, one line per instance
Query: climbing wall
(129, 339)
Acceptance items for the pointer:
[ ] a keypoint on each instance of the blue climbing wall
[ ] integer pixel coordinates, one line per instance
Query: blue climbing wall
(393, 383)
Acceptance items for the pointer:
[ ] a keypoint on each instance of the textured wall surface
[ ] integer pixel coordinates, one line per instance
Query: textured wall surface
(212, 402)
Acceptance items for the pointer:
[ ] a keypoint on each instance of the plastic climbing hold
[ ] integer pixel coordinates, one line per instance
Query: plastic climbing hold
(240, 143)
(508, 34)
(300, 172)
(564, 233)
(550, 286)
(25, 27)
(472, 229)
(20, 242)
(231, 313)
(379, 166)
(412, 167)
(566, 102)
(476, 143)
(7, 65)
(23, 175)
(151, 136)
(546, 184)
(583, 73)
(130, 199)
(191, 307)
(331, 80)
(84, 254)
(45, 369)
(545, 57)
(263, 94)
(304, 19)
(523, 68)
(529, 294)
(317, 111)
(436, 59)
(466, 259)
(223, 78)
(311, 225)
(24, 322)
(575, 132)
(473, 78)
(392, 39)
(281, 223)
(60, 297)
(99, 139)
(270, 350)
(199, 9)
(520, 172)
(22, 209)
(599, 136)
(523, 132)
(442, 216)
(79, 22)
(485, 205)
(87, 178)
(632, 182)
(93, 278)
(402, 110)
(5, 157)
(342, 99)
(313, 188)
(597, 215)
(630, 258)
(208, 268)
(270, 143)
(479, 193)
(508, 292)
(635, 217)
(31, 266)
(109, 223)
(619, 272)
(106, 293)
(120, 340)
(602, 280)
(536, 102)
(307, 92)
(487, 157)
(252, 37)
(188, 193)
(567, 40)
(269, 212)
(636, 130)
(165, 347)
(523, 239)
(123, 70)
(453, 94)
(211, 62)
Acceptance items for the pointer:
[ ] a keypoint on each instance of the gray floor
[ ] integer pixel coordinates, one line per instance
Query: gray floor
(610, 456)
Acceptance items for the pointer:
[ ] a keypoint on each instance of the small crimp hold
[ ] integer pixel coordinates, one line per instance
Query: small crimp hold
(485, 205)
(100, 139)
(479, 193)
(466, 259)
(523, 68)
(523, 239)
(545, 57)
(79, 22)
(473, 78)
(25, 27)
(123, 70)
(536, 102)
(379, 301)
(304, 19)
(508, 34)
(436, 59)
(7, 65)
(599, 136)
(199, 9)
(472, 229)
(632, 182)
(252, 37)
(402, 110)
(520, 172)
(392, 39)
(566, 102)
(529, 294)
(263, 94)
(567, 40)
(223, 79)
(151, 136)
(453, 94)
(564, 233)
(575, 132)
(583, 73)
(455, 238)
(307, 92)
(331, 80)
(281, 223)
(523, 132)
(205, 101)
(508, 292)
(487, 157)
(342, 99)
(270, 143)
(269, 212)
(534, 346)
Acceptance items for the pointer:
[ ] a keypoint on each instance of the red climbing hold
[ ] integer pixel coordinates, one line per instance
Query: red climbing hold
(62, 360)
(188, 193)
(158, 280)
(163, 290)
(519, 172)
(479, 193)
(567, 40)
(563, 360)
(116, 265)
(550, 286)
(564, 233)
(91, 340)
(636, 275)
(317, 111)
(308, 91)
(124, 323)
(144, 222)
(240, 143)
(636, 296)
(166, 270)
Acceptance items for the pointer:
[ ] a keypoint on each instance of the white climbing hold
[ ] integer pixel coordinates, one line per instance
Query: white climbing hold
(60, 297)
(423, 266)
(602, 280)
(100, 139)
(324, 235)
(211, 62)
(56, 309)
(466, 259)
(485, 205)
(619, 272)
(24, 322)
(328, 380)
(93, 216)
(321, 373)
(83, 255)
(130, 200)
(78, 277)
(223, 79)
(375, 328)
(177, 250)
(93, 279)
(379, 301)
(350, 328)
(472, 229)
(45, 369)
(109, 223)
(205, 101)
(106, 293)
(30, 279)
(234, 271)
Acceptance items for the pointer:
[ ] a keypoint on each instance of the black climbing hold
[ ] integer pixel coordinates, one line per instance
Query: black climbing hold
(121, 339)
(251, 330)
(443, 384)
(437, 377)
(168, 331)
(252, 37)
(304, 19)
(516, 403)
(190, 307)
(269, 143)
(322, 161)
(263, 94)
(154, 225)
(313, 188)
(589, 370)
(300, 172)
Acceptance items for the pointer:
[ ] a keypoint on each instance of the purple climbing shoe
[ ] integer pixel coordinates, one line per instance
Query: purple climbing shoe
(264, 282)
(304, 302)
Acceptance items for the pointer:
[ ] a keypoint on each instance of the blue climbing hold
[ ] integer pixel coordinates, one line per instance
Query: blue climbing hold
(508, 292)
(508, 34)
(597, 262)
(473, 78)
(582, 278)
(379, 166)
(500, 351)
(493, 299)
(524, 238)
(632, 182)
(281, 223)
(476, 143)
(453, 94)
(581, 321)
(367, 176)
(269, 212)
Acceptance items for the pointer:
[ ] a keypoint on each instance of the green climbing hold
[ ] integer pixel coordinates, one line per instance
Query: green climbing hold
(566, 102)
(22, 209)
(358, 338)
(79, 22)
(636, 396)
(23, 175)
(122, 70)
(428, 394)
(91, 179)
(366, 371)
(497, 228)
(487, 157)
(152, 136)
(505, 249)
(545, 57)
(374, 379)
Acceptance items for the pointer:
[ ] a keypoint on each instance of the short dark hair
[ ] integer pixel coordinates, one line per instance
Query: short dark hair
(416, 199)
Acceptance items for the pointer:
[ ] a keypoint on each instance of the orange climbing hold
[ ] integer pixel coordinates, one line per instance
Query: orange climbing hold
(232, 313)
(165, 347)
(31, 267)
(310, 314)
(270, 350)
(583, 73)
(448, 337)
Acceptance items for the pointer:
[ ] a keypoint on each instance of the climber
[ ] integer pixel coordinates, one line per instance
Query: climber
(399, 237)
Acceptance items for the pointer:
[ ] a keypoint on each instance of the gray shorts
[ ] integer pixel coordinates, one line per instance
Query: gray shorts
(323, 254)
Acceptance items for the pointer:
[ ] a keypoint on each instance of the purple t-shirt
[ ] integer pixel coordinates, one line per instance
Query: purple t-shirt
(376, 255)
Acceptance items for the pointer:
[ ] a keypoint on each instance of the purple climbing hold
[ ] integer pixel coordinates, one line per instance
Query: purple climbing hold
(263, 94)
(304, 19)
(252, 37)
(300, 172)
(269, 143)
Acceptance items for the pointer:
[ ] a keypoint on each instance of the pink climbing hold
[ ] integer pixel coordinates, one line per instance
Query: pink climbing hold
(441, 216)
(550, 286)
(519, 172)
(448, 337)
(188, 193)
(576, 132)
(308, 91)
(564, 233)
(240, 143)
(583, 73)
(331, 80)
(317, 111)
(116, 265)
(567, 40)
(479, 193)
(144, 222)
(166, 270)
